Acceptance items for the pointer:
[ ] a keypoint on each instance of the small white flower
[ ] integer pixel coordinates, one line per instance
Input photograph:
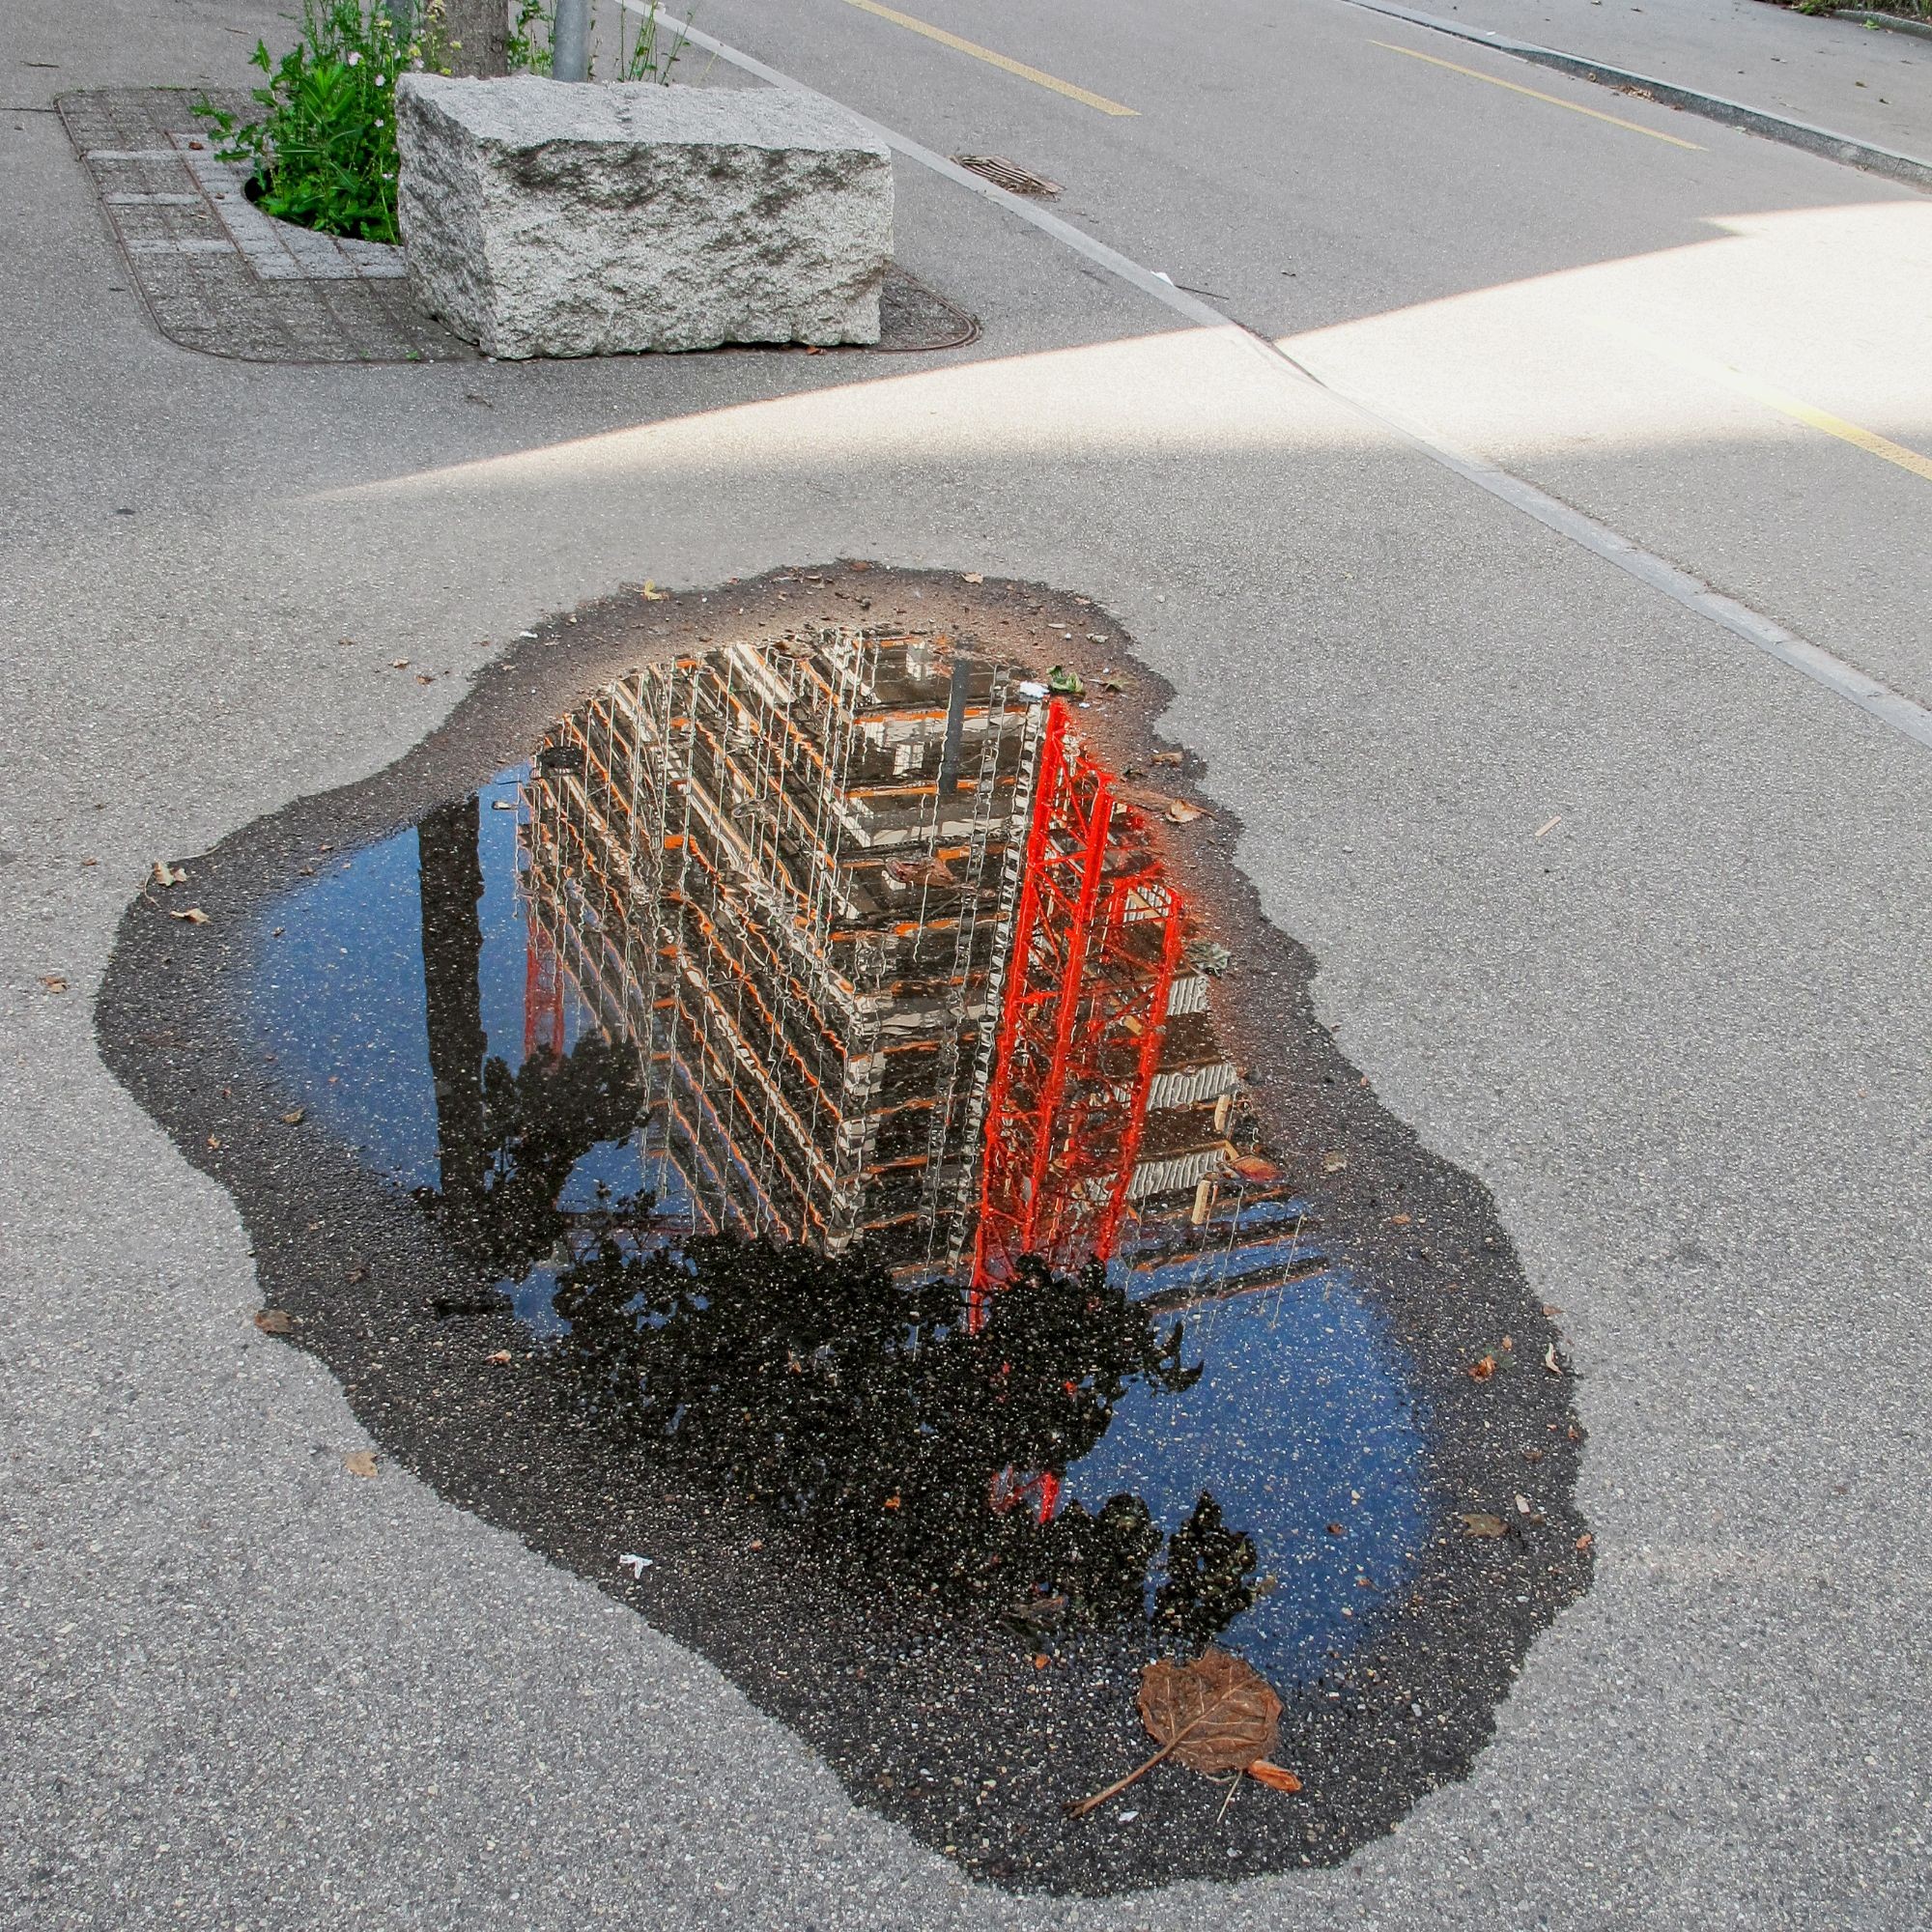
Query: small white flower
(379, 122)
(380, 78)
(354, 58)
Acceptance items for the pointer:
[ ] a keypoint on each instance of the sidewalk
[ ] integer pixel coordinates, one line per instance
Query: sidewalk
(1874, 84)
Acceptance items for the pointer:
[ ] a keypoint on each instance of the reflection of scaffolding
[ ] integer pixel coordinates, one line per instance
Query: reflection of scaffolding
(1083, 1020)
(543, 995)
(780, 870)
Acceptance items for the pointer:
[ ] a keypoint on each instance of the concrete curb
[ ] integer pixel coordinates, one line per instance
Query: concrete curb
(1908, 169)
(1892, 23)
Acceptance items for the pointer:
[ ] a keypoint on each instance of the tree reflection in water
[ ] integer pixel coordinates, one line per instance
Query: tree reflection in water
(867, 1412)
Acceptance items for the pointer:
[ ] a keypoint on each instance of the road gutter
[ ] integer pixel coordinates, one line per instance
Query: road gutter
(1834, 147)
(1904, 715)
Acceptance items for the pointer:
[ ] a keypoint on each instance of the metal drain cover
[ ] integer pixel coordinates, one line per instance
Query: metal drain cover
(1006, 174)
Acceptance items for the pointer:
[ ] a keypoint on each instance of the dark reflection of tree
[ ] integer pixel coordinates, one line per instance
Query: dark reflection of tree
(536, 1124)
(867, 1413)
(1209, 1577)
(507, 1141)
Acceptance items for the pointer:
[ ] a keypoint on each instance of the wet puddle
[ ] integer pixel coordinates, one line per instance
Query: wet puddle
(796, 1106)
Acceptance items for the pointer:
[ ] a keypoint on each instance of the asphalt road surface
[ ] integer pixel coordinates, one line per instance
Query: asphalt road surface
(1683, 1037)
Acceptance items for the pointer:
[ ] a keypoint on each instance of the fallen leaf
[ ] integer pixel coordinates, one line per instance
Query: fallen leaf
(360, 1463)
(1334, 1163)
(293, 1117)
(1550, 1360)
(650, 593)
(1168, 758)
(194, 916)
(399, 664)
(500, 1358)
(1584, 1540)
(1274, 1775)
(54, 983)
(891, 1503)
(1215, 1714)
(1482, 1371)
(1400, 1220)
(168, 875)
(1480, 1522)
(423, 677)
(1180, 812)
(973, 576)
(1040, 1659)
(275, 1320)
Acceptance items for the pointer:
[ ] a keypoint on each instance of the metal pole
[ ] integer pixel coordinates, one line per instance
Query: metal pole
(570, 41)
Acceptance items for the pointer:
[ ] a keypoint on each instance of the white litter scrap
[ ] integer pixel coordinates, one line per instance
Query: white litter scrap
(637, 1565)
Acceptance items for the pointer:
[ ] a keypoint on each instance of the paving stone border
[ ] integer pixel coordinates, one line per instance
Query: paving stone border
(218, 276)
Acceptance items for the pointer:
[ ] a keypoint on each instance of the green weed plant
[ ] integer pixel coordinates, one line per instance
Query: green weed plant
(323, 153)
(324, 150)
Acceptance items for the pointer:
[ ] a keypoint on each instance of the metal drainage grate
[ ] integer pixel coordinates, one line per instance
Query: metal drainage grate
(1006, 174)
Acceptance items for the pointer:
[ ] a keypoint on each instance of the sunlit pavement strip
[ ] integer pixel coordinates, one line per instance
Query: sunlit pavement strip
(1775, 398)
(1892, 707)
(986, 54)
(1536, 93)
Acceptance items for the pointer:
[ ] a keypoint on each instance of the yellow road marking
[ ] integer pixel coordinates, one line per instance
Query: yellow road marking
(1475, 74)
(1775, 398)
(986, 54)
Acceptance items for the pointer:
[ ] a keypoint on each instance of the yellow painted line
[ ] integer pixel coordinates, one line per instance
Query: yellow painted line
(986, 54)
(1869, 440)
(1556, 100)
(1785, 404)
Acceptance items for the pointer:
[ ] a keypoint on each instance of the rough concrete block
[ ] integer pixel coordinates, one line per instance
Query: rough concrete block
(541, 218)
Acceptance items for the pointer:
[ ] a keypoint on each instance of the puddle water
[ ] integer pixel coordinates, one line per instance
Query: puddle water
(812, 1046)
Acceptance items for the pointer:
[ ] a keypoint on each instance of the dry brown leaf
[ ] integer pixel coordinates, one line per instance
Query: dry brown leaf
(651, 595)
(54, 983)
(275, 1320)
(194, 916)
(1180, 812)
(1550, 1360)
(1275, 1776)
(1480, 1522)
(360, 1463)
(293, 1117)
(500, 1358)
(1168, 758)
(168, 875)
(1215, 1714)
(973, 575)
(1482, 1371)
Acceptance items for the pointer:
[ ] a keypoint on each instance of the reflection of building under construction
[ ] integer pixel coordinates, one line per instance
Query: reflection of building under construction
(896, 960)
